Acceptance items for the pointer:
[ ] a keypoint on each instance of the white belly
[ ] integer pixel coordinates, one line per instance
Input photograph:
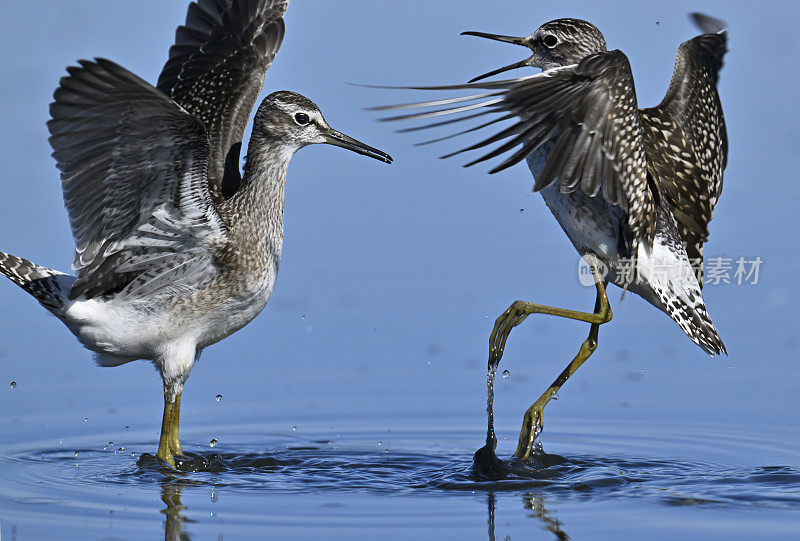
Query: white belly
(121, 330)
(591, 224)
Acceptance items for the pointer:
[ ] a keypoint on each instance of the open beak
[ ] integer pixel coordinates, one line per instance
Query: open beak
(338, 139)
(522, 41)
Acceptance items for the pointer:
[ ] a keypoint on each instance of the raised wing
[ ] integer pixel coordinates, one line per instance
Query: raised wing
(589, 110)
(689, 122)
(216, 70)
(134, 170)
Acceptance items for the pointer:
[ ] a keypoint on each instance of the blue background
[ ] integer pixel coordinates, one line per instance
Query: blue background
(392, 276)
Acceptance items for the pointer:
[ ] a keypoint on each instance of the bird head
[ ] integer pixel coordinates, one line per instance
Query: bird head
(297, 122)
(560, 42)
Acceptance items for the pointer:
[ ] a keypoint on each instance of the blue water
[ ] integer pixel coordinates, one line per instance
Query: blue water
(374, 344)
(407, 484)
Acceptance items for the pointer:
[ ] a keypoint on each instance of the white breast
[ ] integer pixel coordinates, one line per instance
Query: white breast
(591, 224)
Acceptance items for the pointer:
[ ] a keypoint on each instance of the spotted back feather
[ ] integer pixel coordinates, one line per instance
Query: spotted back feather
(686, 140)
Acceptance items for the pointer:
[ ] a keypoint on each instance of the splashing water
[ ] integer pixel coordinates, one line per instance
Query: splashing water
(485, 463)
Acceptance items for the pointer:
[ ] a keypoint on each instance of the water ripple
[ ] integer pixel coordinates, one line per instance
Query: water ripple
(352, 463)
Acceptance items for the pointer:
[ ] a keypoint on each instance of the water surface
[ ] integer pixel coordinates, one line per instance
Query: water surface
(405, 484)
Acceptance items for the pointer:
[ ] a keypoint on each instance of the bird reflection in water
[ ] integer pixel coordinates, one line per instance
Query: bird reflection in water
(534, 502)
(173, 525)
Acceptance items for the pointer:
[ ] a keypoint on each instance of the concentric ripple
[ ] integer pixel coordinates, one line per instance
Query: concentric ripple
(355, 462)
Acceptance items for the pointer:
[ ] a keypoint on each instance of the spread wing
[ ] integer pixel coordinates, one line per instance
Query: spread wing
(134, 170)
(689, 122)
(216, 70)
(589, 111)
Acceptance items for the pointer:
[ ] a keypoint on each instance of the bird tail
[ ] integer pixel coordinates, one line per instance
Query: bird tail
(693, 318)
(48, 286)
(668, 281)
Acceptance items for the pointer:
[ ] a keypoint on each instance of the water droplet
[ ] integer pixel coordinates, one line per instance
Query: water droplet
(380, 443)
(85, 419)
(60, 441)
(218, 397)
(522, 211)
(506, 374)
(213, 442)
(110, 443)
(13, 384)
(330, 428)
(555, 396)
(302, 317)
(75, 454)
(120, 449)
(294, 429)
(127, 427)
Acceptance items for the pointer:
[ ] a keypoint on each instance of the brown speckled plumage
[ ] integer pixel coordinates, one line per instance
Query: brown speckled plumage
(623, 182)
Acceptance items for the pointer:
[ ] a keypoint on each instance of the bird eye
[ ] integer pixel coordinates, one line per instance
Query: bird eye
(302, 119)
(550, 40)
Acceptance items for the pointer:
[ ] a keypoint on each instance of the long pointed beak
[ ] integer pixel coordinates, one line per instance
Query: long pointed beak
(523, 41)
(516, 40)
(339, 139)
(515, 65)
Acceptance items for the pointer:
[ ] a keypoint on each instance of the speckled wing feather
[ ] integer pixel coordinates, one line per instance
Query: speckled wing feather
(589, 110)
(216, 70)
(685, 135)
(134, 170)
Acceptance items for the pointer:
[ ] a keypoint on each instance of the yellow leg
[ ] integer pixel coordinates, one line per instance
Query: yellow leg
(516, 314)
(164, 450)
(175, 419)
(532, 421)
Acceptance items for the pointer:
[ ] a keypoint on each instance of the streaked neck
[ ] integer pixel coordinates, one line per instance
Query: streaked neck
(255, 212)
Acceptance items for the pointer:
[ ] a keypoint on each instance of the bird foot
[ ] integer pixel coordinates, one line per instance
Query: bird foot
(532, 426)
(165, 456)
(513, 316)
(175, 447)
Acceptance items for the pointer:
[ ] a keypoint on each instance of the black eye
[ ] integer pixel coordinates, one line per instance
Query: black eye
(550, 40)
(302, 119)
